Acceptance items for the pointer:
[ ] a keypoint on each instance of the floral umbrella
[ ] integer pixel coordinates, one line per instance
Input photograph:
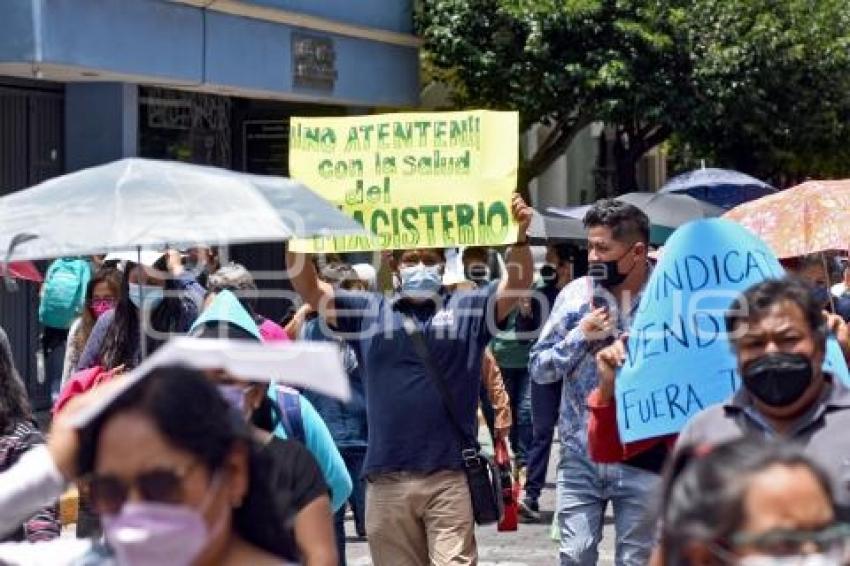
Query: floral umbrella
(809, 218)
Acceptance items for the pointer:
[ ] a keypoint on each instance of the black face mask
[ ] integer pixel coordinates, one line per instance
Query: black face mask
(548, 274)
(477, 273)
(778, 380)
(607, 273)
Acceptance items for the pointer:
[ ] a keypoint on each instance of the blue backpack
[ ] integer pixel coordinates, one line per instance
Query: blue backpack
(64, 292)
(289, 403)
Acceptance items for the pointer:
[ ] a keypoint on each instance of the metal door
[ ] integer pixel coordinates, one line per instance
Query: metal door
(31, 150)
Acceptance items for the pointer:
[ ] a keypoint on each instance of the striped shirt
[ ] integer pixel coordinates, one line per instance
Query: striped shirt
(44, 525)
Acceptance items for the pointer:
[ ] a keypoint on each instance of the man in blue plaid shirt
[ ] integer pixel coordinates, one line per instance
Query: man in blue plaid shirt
(589, 314)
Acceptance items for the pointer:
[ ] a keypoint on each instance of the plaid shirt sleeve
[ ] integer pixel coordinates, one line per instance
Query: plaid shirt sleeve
(44, 525)
(561, 345)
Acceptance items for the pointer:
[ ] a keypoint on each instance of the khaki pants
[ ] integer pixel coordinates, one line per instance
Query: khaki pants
(418, 519)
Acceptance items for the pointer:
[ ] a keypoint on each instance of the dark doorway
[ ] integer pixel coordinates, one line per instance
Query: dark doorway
(31, 151)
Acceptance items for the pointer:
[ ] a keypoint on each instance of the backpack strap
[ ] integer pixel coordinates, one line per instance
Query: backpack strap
(289, 403)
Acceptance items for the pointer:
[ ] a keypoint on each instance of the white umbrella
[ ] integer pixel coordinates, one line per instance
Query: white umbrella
(140, 203)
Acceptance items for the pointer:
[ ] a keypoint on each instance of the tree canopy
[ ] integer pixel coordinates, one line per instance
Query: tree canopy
(757, 85)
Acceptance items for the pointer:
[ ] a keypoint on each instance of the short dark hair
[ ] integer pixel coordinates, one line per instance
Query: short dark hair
(705, 487)
(627, 222)
(753, 304)
(566, 253)
(397, 254)
(476, 252)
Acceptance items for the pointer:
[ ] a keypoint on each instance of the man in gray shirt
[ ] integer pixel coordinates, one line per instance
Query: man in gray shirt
(778, 332)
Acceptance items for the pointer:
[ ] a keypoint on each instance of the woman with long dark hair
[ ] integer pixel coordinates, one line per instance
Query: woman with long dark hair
(18, 434)
(102, 294)
(164, 294)
(177, 479)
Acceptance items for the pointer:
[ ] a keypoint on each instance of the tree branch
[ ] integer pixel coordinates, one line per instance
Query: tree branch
(645, 131)
(553, 136)
(653, 138)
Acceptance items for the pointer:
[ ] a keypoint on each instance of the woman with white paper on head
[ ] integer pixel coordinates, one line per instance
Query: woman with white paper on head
(174, 477)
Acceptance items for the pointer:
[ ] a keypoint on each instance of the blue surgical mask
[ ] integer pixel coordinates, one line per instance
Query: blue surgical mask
(421, 279)
(151, 294)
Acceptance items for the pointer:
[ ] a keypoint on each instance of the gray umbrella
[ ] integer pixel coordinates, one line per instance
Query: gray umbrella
(671, 210)
(141, 203)
(666, 211)
(548, 228)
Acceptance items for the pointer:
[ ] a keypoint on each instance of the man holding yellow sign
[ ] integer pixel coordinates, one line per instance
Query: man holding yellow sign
(414, 180)
(421, 350)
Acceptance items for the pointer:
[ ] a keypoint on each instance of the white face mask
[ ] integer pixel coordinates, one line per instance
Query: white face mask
(819, 559)
(420, 278)
(144, 533)
(152, 295)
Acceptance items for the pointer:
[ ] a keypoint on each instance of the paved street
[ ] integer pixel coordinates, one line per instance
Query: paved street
(528, 546)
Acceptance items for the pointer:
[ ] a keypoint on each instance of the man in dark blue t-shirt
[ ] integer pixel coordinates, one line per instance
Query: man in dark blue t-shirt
(418, 509)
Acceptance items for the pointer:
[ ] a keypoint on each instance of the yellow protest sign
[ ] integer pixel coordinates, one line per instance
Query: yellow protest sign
(436, 179)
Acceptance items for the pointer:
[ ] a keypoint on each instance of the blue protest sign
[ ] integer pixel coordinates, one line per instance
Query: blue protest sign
(679, 359)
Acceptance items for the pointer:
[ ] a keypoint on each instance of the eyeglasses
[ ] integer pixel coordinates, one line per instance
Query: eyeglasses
(786, 542)
(160, 485)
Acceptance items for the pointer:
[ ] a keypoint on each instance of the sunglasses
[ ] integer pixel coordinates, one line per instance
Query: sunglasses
(160, 485)
(783, 542)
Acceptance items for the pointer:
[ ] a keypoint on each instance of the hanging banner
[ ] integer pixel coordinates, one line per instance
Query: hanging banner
(423, 180)
(679, 358)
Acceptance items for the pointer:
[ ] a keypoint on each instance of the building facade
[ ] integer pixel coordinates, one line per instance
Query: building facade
(85, 82)
(585, 172)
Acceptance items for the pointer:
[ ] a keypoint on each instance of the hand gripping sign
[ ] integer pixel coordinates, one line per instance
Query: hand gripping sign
(423, 180)
(679, 358)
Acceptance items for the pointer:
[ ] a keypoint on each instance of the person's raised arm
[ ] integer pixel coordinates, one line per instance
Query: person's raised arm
(318, 294)
(518, 263)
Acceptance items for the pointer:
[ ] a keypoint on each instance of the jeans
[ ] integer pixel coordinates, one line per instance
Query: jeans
(53, 344)
(353, 456)
(545, 403)
(517, 385)
(584, 489)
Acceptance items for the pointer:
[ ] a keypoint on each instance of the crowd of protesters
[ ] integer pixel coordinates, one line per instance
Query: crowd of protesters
(183, 466)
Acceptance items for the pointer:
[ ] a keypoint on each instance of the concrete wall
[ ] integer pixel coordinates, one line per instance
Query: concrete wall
(186, 46)
(125, 36)
(17, 32)
(391, 15)
(571, 180)
(101, 123)
(377, 74)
